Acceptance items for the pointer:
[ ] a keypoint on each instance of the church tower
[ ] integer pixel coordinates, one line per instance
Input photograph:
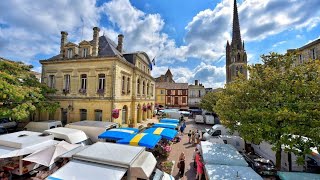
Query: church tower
(236, 56)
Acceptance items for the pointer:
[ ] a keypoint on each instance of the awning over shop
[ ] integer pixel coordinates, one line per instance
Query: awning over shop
(6, 152)
(221, 154)
(297, 176)
(81, 170)
(144, 165)
(165, 125)
(167, 120)
(218, 172)
(141, 139)
(163, 132)
(118, 133)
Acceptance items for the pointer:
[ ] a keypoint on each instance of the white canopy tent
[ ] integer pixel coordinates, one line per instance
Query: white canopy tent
(49, 155)
(144, 165)
(224, 172)
(82, 170)
(221, 154)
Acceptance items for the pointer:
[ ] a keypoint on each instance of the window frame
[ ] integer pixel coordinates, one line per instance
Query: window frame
(83, 81)
(83, 113)
(101, 80)
(69, 53)
(51, 81)
(67, 81)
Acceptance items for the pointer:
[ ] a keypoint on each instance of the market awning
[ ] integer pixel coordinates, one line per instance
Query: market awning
(118, 133)
(163, 132)
(6, 152)
(297, 176)
(165, 125)
(144, 165)
(221, 154)
(141, 139)
(49, 155)
(82, 170)
(167, 120)
(217, 172)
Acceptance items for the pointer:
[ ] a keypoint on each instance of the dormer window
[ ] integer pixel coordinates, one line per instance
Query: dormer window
(70, 53)
(85, 52)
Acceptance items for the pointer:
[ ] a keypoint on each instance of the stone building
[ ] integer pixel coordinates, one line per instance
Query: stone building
(176, 94)
(96, 80)
(310, 51)
(167, 77)
(196, 92)
(236, 56)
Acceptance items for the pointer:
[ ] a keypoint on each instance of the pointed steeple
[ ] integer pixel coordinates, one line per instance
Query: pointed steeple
(236, 36)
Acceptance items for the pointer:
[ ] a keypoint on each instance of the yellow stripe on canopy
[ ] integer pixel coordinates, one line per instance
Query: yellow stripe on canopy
(158, 131)
(135, 141)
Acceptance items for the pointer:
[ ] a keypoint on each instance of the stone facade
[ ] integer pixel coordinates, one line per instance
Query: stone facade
(236, 56)
(176, 94)
(96, 77)
(167, 77)
(310, 51)
(195, 94)
(161, 97)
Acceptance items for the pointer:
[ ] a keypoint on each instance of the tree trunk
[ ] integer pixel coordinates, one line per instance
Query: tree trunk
(278, 158)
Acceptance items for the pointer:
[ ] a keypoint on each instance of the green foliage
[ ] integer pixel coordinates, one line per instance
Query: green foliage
(278, 104)
(20, 91)
(208, 101)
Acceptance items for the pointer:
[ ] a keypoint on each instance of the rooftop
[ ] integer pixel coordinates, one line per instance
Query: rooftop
(168, 85)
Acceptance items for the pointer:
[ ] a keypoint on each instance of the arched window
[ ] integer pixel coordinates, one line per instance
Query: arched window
(124, 114)
(147, 88)
(138, 86)
(239, 57)
(241, 70)
(143, 87)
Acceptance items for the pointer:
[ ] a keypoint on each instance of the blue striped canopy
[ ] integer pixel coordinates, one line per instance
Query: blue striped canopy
(163, 132)
(165, 125)
(118, 133)
(167, 120)
(141, 139)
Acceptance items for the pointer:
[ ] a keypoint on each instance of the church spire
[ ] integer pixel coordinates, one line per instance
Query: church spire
(236, 36)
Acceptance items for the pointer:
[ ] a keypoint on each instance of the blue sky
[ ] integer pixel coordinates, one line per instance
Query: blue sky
(187, 36)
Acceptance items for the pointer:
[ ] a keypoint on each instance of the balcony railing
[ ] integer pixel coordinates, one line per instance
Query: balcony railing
(66, 91)
(100, 91)
(82, 91)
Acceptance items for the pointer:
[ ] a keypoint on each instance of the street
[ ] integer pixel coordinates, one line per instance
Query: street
(187, 148)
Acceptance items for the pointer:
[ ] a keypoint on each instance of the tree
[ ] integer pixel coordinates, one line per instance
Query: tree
(21, 94)
(208, 101)
(278, 104)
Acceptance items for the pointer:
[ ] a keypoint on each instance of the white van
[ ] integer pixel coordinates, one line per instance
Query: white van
(41, 126)
(235, 141)
(93, 128)
(208, 118)
(73, 136)
(199, 119)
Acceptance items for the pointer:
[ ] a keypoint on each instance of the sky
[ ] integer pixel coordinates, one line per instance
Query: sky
(187, 36)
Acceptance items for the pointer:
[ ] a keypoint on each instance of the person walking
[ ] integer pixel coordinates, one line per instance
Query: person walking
(193, 138)
(189, 136)
(194, 157)
(197, 134)
(199, 168)
(182, 164)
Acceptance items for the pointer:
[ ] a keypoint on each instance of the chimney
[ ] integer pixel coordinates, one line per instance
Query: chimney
(64, 40)
(95, 42)
(120, 42)
(196, 82)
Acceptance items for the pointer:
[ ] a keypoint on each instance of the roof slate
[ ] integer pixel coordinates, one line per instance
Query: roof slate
(168, 85)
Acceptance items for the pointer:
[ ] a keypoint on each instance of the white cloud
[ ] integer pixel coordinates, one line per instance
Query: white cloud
(32, 28)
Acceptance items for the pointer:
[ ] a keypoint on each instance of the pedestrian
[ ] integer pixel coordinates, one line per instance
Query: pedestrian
(181, 130)
(200, 168)
(189, 135)
(198, 146)
(181, 165)
(197, 134)
(194, 157)
(197, 159)
(193, 138)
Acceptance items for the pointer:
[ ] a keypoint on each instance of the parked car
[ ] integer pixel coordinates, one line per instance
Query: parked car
(8, 124)
(261, 165)
(41, 126)
(208, 118)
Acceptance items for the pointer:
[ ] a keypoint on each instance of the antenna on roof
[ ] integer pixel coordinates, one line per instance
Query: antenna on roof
(81, 18)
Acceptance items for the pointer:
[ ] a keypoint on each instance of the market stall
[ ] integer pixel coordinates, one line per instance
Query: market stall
(165, 133)
(218, 172)
(118, 133)
(141, 139)
(166, 125)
